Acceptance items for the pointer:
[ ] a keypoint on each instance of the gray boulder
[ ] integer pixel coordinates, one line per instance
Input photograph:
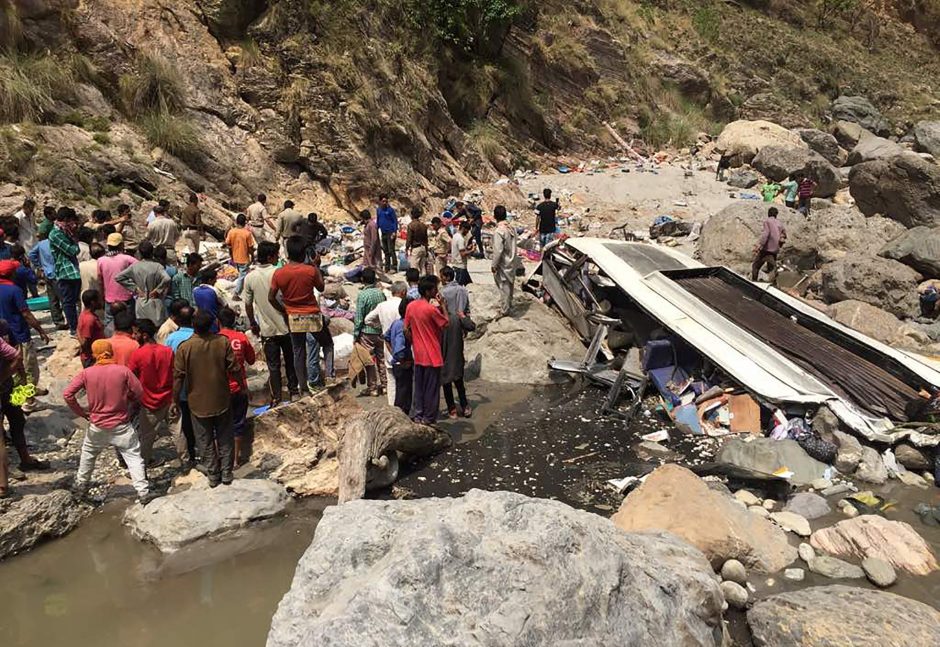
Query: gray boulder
(850, 452)
(879, 572)
(866, 319)
(848, 133)
(780, 162)
(835, 569)
(860, 110)
(913, 458)
(842, 230)
(176, 520)
(33, 518)
(927, 137)
(824, 144)
(845, 616)
(828, 177)
(871, 468)
(905, 188)
(767, 455)
(808, 505)
(873, 148)
(918, 248)
(493, 568)
(230, 18)
(743, 179)
(881, 282)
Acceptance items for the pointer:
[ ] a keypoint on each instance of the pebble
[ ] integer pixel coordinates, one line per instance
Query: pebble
(794, 574)
(928, 477)
(735, 595)
(734, 571)
(793, 522)
(910, 478)
(879, 572)
(835, 568)
(769, 504)
(841, 488)
(848, 509)
(806, 552)
(760, 511)
(747, 498)
(821, 484)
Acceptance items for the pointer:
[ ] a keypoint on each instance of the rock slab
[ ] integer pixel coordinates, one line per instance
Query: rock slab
(675, 500)
(33, 518)
(808, 505)
(872, 536)
(176, 520)
(842, 616)
(835, 568)
(767, 455)
(493, 568)
(905, 188)
(871, 468)
(918, 248)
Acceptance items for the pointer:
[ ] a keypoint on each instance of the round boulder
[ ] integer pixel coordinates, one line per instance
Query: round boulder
(927, 137)
(905, 188)
(744, 139)
(880, 282)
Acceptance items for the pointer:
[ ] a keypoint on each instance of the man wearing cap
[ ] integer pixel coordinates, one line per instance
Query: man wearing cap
(110, 266)
(163, 232)
(14, 310)
(110, 389)
(149, 281)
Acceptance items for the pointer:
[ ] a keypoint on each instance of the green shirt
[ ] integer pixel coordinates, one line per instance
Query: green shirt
(45, 228)
(770, 191)
(791, 188)
(64, 255)
(365, 303)
(182, 286)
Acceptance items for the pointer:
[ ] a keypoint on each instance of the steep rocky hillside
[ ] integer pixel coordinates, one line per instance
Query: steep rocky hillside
(331, 101)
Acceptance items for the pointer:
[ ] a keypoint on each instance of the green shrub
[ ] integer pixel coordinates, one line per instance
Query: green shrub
(29, 84)
(109, 190)
(707, 23)
(102, 138)
(156, 87)
(172, 133)
(486, 139)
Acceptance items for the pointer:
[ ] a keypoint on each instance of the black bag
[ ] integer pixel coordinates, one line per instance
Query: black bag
(822, 450)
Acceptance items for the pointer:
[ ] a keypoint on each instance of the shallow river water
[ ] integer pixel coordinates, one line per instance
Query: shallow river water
(99, 586)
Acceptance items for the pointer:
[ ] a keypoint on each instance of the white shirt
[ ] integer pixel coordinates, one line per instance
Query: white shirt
(457, 245)
(27, 228)
(383, 316)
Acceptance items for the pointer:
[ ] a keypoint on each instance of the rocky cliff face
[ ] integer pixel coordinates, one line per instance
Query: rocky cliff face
(331, 102)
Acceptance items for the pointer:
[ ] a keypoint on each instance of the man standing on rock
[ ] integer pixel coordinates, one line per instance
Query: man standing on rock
(40, 257)
(268, 323)
(183, 283)
(150, 281)
(382, 318)
(152, 364)
(425, 321)
(186, 439)
(416, 243)
(258, 217)
(546, 219)
(504, 258)
(19, 318)
(203, 366)
(387, 220)
(805, 192)
(772, 238)
(163, 232)
(110, 389)
(241, 245)
(191, 220)
(461, 248)
(238, 384)
(110, 266)
(440, 244)
(371, 241)
(287, 220)
(65, 249)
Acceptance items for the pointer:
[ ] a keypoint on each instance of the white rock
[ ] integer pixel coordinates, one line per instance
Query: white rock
(807, 553)
(769, 504)
(735, 595)
(734, 571)
(747, 498)
(821, 484)
(794, 574)
(792, 522)
(760, 511)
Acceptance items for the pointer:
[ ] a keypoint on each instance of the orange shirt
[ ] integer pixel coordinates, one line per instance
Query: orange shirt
(123, 346)
(296, 282)
(241, 242)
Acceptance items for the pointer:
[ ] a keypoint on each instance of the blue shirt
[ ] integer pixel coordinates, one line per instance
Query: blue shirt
(41, 256)
(24, 277)
(387, 220)
(206, 299)
(413, 293)
(401, 347)
(173, 340)
(12, 304)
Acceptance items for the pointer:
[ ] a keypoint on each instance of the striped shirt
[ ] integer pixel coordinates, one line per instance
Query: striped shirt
(65, 255)
(366, 302)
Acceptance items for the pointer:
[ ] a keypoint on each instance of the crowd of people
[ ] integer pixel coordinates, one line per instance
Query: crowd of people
(159, 342)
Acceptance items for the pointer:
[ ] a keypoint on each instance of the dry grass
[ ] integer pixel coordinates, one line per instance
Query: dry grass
(30, 83)
(172, 133)
(156, 87)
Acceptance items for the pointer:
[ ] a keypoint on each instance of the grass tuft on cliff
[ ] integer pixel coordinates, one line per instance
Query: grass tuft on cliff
(29, 84)
(156, 87)
(172, 133)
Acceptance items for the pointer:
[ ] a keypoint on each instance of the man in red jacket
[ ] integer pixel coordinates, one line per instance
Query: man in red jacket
(238, 384)
(152, 364)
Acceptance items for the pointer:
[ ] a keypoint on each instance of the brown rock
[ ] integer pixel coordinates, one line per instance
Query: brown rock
(912, 458)
(867, 319)
(872, 536)
(677, 501)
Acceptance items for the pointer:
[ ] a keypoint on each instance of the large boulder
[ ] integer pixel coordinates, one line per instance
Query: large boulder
(927, 137)
(767, 455)
(860, 110)
(880, 282)
(516, 349)
(918, 248)
(873, 536)
(848, 134)
(744, 139)
(866, 319)
(828, 178)
(842, 230)
(493, 568)
(32, 518)
(824, 144)
(780, 162)
(177, 520)
(843, 616)
(873, 148)
(675, 500)
(905, 188)
(729, 236)
(691, 80)
(743, 178)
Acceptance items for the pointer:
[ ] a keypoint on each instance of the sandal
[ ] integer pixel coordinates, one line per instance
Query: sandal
(467, 411)
(35, 465)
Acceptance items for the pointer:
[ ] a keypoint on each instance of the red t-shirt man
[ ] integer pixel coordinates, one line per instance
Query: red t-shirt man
(296, 282)
(244, 354)
(90, 330)
(153, 366)
(426, 323)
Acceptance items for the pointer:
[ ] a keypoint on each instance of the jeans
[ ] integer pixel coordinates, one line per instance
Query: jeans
(70, 291)
(109, 315)
(427, 393)
(216, 441)
(388, 251)
(186, 439)
(274, 347)
(150, 423)
(404, 387)
(461, 395)
(325, 339)
(55, 302)
(124, 439)
(242, 273)
(239, 414)
(306, 358)
(477, 231)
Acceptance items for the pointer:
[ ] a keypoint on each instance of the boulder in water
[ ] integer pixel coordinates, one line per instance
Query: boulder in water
(28, 520)
(873, 536)
(493, 568)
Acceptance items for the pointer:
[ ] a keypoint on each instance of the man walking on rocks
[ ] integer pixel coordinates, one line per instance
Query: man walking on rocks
(772, 238)
(387, 220)
(269, 323)
(110, 389)
(546, 220)
(241, 245)
(504, 258)
(203, 366)
(191, 220)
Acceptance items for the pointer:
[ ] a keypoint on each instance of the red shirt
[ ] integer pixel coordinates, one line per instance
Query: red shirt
(296, 282)
(90, 330)
(426, 322)
(123, 346)
(153, 366)
(244, 353)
